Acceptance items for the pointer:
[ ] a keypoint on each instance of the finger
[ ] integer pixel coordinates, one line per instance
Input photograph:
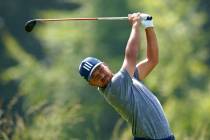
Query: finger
(129, 16)
(133, 15)
(130, 19)
(138, 14)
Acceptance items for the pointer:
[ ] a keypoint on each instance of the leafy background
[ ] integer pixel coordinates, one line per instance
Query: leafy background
(42, 95)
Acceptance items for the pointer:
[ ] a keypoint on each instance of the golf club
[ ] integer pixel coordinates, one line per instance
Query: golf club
(31, 23)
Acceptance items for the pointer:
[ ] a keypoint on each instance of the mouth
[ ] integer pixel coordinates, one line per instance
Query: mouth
(105, 79)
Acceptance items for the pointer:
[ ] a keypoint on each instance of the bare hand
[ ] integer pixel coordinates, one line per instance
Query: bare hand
(134, 19)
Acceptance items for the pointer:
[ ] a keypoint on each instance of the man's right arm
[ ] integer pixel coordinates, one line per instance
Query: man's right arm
(133, 44)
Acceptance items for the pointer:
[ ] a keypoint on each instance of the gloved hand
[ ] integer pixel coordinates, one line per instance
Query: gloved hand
(146, 20)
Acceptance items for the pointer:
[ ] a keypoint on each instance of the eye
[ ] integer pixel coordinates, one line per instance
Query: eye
(101, 69)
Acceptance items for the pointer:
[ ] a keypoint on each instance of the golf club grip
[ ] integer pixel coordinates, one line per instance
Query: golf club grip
(143, 17)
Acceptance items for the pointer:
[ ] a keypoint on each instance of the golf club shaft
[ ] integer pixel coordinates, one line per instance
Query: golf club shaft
(99, 18)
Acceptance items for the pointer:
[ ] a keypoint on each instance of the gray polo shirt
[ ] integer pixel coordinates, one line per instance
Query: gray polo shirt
(138, 105)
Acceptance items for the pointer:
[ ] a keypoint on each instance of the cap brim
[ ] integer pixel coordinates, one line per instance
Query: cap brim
(93, 70)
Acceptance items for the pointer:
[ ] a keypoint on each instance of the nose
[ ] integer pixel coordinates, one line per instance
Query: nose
(102, 75)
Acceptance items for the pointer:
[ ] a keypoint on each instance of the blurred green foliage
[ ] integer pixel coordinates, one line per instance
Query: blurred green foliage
(42, 95)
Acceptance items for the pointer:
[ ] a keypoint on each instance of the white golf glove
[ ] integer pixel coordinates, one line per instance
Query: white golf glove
(146, 20)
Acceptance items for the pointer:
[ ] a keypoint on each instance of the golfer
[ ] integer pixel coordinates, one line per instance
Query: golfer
(124, 90)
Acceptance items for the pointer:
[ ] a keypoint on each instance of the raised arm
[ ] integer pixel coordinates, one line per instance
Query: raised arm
(148, 64)
(133, 45)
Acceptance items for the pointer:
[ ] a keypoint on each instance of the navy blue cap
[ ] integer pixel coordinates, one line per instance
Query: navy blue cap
(87, 66)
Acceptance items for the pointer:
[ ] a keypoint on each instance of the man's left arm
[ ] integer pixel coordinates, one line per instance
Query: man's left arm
(147, 65)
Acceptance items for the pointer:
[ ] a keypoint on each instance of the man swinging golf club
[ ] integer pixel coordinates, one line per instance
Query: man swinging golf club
(124, 90)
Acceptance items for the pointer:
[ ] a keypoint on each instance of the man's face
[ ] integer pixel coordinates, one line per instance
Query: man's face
(101, 76)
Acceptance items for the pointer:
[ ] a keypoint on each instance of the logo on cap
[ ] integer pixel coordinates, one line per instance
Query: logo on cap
(87, 66)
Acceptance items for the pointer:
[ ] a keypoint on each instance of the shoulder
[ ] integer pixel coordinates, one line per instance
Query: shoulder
(119, 80)
(121, 75)
(119, 85)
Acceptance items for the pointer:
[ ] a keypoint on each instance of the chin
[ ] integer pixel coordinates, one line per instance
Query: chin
(106, 83)
(104, 86)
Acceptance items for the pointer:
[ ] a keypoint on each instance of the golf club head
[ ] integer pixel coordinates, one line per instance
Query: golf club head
(30, 25)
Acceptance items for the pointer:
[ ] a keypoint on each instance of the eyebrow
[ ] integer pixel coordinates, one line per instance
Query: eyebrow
(98, 68)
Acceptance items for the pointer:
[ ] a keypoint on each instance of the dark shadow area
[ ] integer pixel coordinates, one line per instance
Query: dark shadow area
(204, 7)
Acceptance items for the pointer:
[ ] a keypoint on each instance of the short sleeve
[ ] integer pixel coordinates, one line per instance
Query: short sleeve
(136, 74)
